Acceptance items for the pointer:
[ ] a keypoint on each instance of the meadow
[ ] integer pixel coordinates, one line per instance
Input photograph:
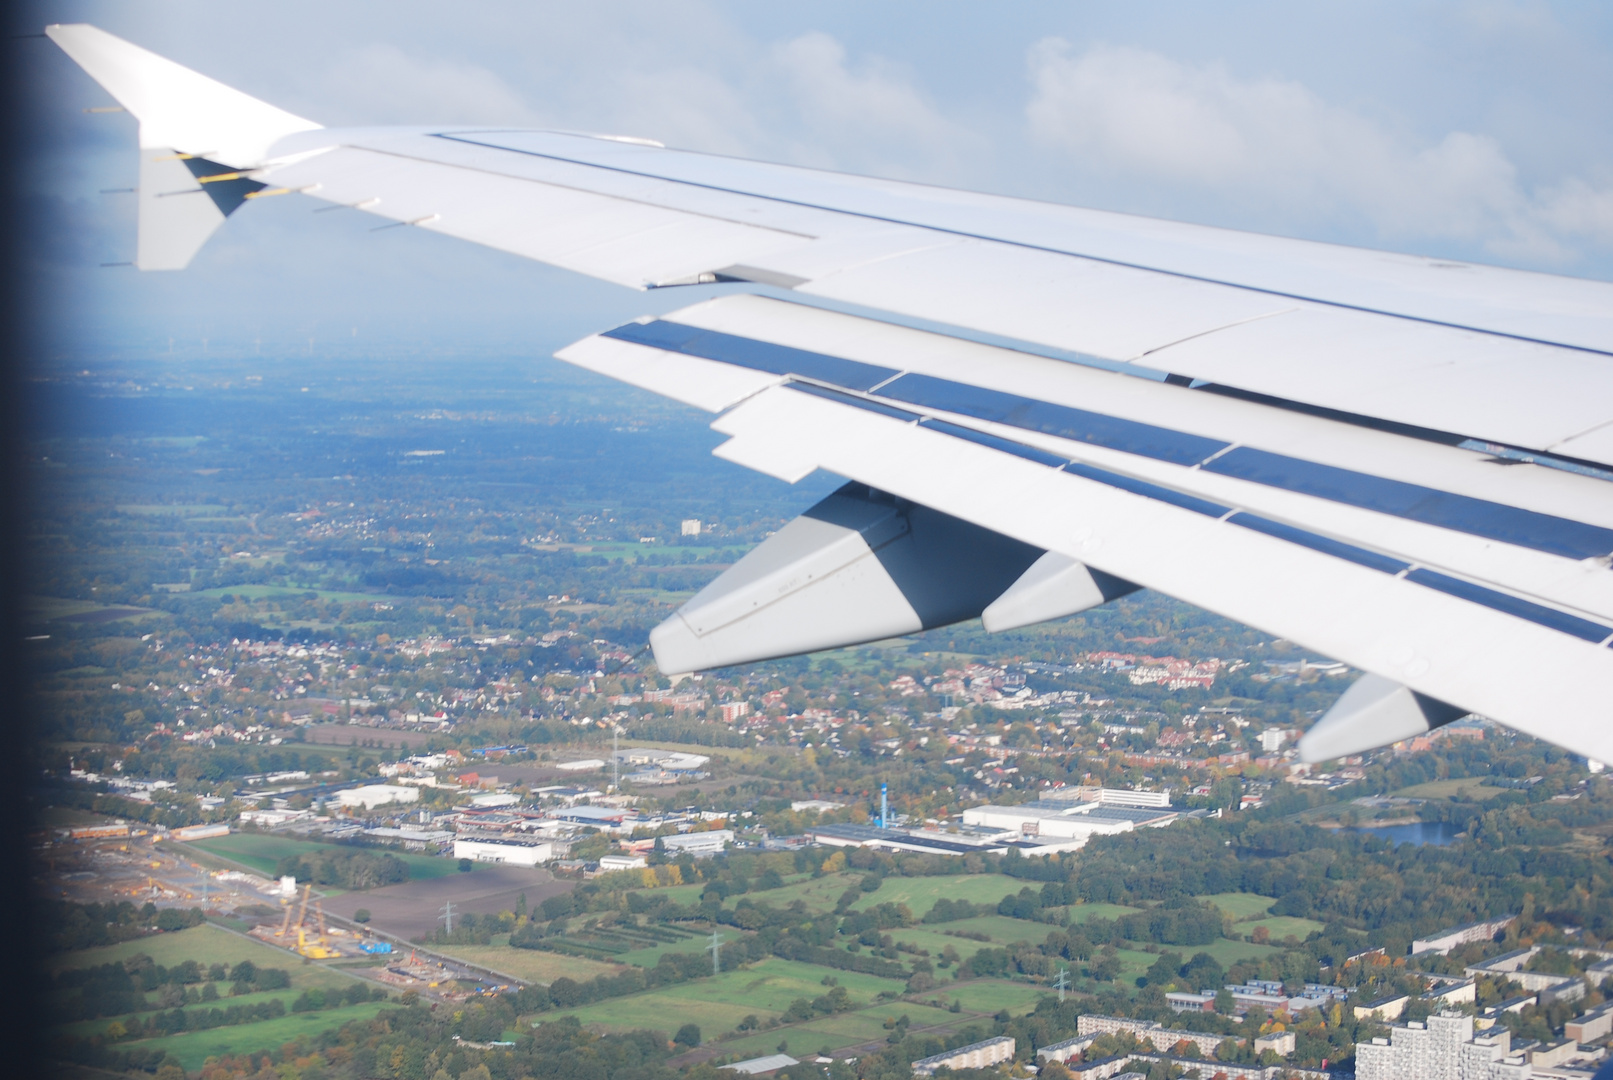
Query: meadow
(262, 852)
(208, 944)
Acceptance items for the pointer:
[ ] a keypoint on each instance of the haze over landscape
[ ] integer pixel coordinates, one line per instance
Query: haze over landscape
(354, 759)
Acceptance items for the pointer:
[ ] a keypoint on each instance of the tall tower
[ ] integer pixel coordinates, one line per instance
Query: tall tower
(884, 808)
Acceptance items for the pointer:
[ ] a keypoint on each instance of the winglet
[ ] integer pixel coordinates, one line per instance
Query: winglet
(181, 114)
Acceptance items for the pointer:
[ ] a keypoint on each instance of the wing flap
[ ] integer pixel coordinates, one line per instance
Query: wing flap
(1482, 659)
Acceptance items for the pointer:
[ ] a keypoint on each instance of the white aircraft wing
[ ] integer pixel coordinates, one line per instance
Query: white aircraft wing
(1403, 463)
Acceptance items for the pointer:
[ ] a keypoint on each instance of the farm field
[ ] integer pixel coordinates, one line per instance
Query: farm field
(534, 965)
(207, 945)
(1225, 950)
(1241, 905)
(1080, 913)
(834, 1032)
(1282, 926)
(262, 852)
(765, 989)
(193, 1048)
(258, 592)
(1001, 929)
(683, 895)
(920, 894)
(818, 894)
(992, 995)
(1474, 786)
(651, 955)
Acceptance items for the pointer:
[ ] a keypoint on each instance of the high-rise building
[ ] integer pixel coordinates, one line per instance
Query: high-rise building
(1442, 1048)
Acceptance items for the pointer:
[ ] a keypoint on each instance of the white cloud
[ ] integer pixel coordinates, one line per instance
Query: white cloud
(1273, 148)
(874, 117)
(382, 84)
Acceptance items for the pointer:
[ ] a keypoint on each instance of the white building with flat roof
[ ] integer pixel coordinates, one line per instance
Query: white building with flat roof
(1060, 822)
(610, 863)
(710, 842)
(504, 851)
(1446, 940)
(372, 795)
(980, 1055)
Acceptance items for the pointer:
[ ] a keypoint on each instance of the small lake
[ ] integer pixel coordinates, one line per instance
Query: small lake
(1438, 833)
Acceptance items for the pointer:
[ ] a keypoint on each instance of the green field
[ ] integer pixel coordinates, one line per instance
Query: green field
(1001, 929)
(193, 1048)
(651, 955)
(920, 894)
(207, 945)
(263, 851)
(1080, 913)
(834, 1032)
(765, 989)
(1241, 905)
(992, 995)
(1281, 926)
(818, 894)
(259, 592)
(533, 965)
(1226, 950)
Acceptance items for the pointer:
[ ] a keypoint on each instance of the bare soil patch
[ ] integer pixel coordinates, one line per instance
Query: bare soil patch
(414, 908)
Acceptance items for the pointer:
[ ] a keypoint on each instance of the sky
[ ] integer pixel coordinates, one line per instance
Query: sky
(1475, 131)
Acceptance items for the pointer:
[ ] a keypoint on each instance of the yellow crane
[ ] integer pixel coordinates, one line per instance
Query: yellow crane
(302, 911)
(321, 949)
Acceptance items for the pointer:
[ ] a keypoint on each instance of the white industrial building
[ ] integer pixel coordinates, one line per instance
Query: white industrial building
(1108, 796)
(710, 842)
(372, 795)
(493, 800)
(504, 851)
(1066, 820)
(670, 760)
(608, 863)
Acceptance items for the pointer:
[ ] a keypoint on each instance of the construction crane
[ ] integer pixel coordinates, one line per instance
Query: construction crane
(301, 911)
(319, 950)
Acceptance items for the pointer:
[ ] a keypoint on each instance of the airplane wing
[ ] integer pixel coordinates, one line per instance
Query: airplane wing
(1400, 462)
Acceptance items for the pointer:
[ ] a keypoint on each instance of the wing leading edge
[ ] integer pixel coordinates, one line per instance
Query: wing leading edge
(1299, 436)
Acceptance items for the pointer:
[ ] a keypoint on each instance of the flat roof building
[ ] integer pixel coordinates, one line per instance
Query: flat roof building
(372, 795)
(980, 1055)
(510, 852)
(710, 842)
(1446, 940)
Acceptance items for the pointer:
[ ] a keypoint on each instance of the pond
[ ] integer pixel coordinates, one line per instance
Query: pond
(1438, 833)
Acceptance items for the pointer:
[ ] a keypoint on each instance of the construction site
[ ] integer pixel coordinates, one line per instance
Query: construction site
(316, 939)
(113, 862)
